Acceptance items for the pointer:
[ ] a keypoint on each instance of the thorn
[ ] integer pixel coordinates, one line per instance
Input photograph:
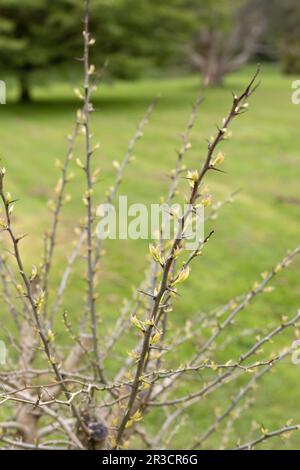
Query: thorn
(216, 169)
(147, 293)
(21, 237)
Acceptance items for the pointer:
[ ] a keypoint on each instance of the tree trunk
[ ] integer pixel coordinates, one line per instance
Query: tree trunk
(207, 55)
(212, 79)
(213, 72)
(25, 95)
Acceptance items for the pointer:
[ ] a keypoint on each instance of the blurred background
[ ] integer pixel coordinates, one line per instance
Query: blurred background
(39, 39)
(176, 49)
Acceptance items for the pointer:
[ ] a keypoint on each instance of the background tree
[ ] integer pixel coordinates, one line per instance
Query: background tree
(285, 33)
(228, 36)
(136, 36)
(36, 34)
(139, 36)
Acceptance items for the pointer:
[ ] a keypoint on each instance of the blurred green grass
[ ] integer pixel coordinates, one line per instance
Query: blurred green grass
(251, 235)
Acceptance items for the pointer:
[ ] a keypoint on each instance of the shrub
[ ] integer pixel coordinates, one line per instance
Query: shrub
(58, 397)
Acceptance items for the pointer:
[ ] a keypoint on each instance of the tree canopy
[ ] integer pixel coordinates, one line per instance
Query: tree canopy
(38, 34)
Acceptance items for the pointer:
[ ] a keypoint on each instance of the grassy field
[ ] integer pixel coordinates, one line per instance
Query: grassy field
(251, 235)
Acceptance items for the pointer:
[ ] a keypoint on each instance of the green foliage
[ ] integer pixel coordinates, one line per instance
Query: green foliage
(139, 36)
(134, 36)
(36, 34)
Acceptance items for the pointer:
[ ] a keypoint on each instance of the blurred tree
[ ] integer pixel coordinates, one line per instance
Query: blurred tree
(285, 33)
(228, 36)
(35, 34)
(138, 35)
(134, 35)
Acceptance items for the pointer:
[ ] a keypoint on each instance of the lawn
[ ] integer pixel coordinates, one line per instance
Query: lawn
(251, 235)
